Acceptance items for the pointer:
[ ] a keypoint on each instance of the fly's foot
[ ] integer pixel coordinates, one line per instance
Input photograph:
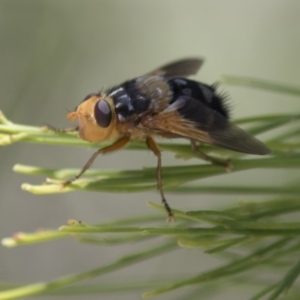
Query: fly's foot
(64, 184)
(170, 218)
(217, 161)
(59, 130)
(221, 162)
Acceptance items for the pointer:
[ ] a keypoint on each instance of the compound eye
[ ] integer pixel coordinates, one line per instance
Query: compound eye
(103, 113)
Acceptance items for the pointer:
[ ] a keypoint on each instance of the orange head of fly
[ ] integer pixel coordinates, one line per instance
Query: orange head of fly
(96, 119)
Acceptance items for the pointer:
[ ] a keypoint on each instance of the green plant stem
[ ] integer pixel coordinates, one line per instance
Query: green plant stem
(141, 180)
(283, 229)
(260, 84)
(237, 266)
(34, 289)
(286, 282)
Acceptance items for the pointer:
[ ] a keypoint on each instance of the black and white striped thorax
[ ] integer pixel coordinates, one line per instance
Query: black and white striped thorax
(128, 100)
(141, 96)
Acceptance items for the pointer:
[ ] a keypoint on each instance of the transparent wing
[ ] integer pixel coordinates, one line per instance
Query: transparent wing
(180, 68)
(196, 121)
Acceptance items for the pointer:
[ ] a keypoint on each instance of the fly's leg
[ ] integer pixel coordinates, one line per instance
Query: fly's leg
(115, 146)
(71, 129)
(153, 147)
(226, 163)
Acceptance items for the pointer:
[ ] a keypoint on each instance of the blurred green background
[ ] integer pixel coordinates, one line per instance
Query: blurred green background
(54, 53)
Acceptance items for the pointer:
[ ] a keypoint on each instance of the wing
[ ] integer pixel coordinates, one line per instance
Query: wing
(180, 68)
(193, 120)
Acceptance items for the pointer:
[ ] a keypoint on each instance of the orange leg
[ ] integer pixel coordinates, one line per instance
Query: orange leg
(115, 146)
(152, 146)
